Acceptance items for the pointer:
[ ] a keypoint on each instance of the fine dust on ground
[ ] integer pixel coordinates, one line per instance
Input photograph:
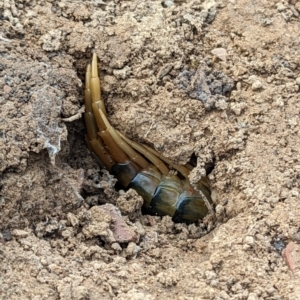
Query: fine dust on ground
(215, 82)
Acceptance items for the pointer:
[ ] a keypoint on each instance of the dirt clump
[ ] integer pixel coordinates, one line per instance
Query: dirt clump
(211, 82)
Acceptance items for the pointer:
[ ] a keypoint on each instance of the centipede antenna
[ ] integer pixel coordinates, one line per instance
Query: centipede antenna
(159, 164)
(94, 141)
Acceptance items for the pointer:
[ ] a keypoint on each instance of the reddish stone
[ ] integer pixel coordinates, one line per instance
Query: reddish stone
(122, 232)
(292, 257)
(6, 89)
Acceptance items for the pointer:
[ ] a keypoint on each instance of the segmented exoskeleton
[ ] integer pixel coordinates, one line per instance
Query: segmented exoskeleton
(138, 166)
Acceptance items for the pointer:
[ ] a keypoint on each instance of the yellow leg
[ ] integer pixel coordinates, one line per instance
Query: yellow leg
(181, 169)
(184, 170)
(115, 145)
(95, 85)
(148, 154)
(94, 141)
(134, 156)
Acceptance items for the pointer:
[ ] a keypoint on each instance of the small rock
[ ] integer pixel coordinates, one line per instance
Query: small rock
(6, 89)
(249, 240)
(72, 219)
(270, 290)
(221, 104)
(132, 249)
(52, 40)
(116, 247)
(19, 233)
(236, 108)
(53, 268)
(121, 231)
(214, 283)
(6, 235)
(279, 244)
(256, 85)
(291, 256)
(136, 295)
(297, 237)
(67, 233)
(280, 7)
(99, 225)
(224, 295)
(252, 296)
(221, 53)
(210, 275)
(220, 209)
(80, 293)
(129, 204)
(168, 3)
(122, 73)
(164, 71)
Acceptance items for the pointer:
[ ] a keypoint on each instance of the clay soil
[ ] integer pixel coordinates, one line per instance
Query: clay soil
(215, 83)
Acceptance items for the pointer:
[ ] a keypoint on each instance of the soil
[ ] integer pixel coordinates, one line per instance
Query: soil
(215, 83)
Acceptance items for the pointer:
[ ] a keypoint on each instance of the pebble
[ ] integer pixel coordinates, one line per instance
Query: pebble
(80, 293)
(220, 209)
(116, 247)
(72, 219)
(280, 7)
(252, 296)
(6, 235)
(289, 256)
(121, 231)
(256, 85)
(168, 3)
(6, 89)
(221, 104)
(249, 240)
(19, 233)
(248, 243)
(122, 73)
(221, 53)
(132, 249)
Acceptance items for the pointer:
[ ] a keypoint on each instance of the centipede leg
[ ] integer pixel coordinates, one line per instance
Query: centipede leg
(105, 129)
(95, 85)
(157, 162)
(99, 140)
(140, 167)
(155, 157)
(94, 141)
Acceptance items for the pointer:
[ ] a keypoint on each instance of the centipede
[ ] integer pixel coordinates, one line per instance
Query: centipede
(139, 166)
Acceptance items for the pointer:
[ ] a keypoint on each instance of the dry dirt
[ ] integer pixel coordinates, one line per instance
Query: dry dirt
(215, 82)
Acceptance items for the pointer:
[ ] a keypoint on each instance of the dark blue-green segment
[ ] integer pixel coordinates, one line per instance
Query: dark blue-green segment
(125, 172)
(190, 208)
(146, 183)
